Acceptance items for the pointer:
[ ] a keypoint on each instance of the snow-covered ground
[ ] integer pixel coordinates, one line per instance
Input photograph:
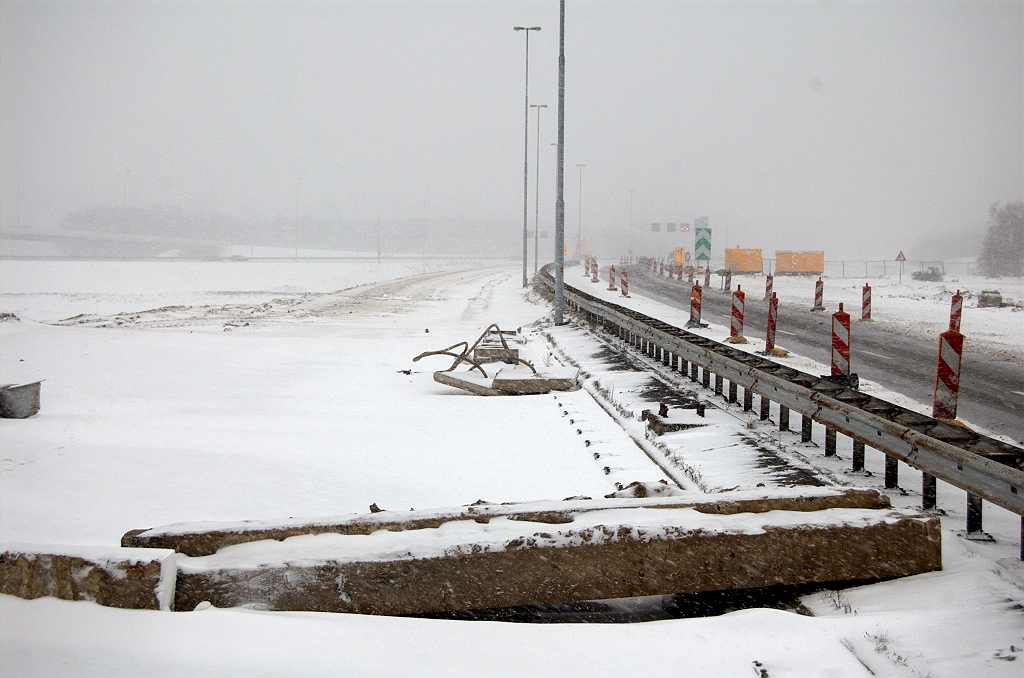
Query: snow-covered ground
(280, 401)
(912, 308)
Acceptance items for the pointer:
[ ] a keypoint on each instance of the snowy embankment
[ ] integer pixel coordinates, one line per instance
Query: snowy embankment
(306, 411)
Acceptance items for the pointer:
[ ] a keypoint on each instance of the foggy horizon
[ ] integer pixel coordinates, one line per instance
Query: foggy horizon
(855, 128)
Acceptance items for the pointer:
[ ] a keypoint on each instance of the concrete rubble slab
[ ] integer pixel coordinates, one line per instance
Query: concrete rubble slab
(510, 380)
(489, 555)
(130, 578)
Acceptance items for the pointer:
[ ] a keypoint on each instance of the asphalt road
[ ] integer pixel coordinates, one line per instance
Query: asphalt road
(991, 391)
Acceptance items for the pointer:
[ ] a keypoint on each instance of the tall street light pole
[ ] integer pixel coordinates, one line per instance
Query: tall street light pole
(124, 213)
(526, 148)
(579, 234)
(631, 225)
(559, 197)
(298, 180)
(536, 195)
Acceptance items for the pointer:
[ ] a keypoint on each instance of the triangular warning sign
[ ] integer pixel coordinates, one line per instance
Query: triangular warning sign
(900, 257)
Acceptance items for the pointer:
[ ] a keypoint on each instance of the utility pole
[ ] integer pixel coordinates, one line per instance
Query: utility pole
(536, 196)
(559, 197)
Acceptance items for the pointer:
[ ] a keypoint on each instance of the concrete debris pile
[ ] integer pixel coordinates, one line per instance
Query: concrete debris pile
(495, 368)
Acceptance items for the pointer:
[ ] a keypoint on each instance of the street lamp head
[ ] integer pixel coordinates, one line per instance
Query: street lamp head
(538, 105)
(523, 28)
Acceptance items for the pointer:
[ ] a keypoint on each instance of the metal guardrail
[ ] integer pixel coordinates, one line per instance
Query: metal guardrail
(978, 464)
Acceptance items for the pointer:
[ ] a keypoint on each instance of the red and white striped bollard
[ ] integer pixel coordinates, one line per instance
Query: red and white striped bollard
(865, 302)
(695, 297)
(840, 343)
(819, 296)
(955, 309)
(707, 276)
(947, 374)
(594, 270)
(611, 278)
(769, 282)
(625, 283)
(728, 280)
(738, 302)
(773, 316)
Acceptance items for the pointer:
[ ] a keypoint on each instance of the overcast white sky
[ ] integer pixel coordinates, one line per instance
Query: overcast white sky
(857, 128)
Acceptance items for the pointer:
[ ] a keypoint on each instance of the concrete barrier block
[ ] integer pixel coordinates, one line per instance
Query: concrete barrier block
(203, 539)
(493, 557)
(130, 578)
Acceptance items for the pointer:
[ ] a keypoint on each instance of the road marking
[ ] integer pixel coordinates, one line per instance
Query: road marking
(1019, 392)
(792, 334)
(877, 355)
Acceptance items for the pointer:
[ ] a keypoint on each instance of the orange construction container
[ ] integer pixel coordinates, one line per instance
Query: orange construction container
(745, 260)
(799, 263)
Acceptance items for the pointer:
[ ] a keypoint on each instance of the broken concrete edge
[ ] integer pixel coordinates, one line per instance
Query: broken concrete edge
(130, 578)
(202, 539)
(678, 551)
(506, 382)
(466, 383)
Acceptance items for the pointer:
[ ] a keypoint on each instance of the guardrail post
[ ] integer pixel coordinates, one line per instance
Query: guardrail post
(783, 418)
(748, 400)
(706, 377)
(830, 442)
(973, 513)
(858, 456)
(928, 491)
(693, 372)
(732, 391)
(766, 405)
(718, 384)
(892, 472)
(805, 428)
